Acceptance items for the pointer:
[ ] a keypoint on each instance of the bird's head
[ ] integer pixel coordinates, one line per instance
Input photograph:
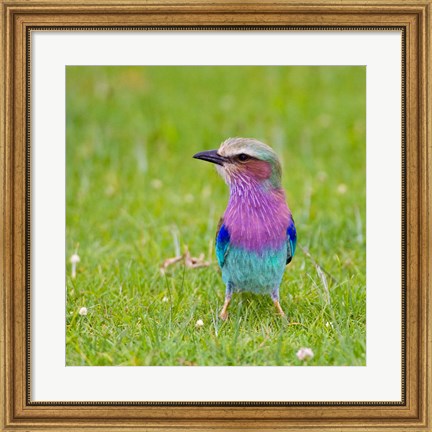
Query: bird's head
(245, 159)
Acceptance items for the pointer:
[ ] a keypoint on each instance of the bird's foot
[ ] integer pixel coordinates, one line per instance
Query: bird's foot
(279, 308)
(223, 315)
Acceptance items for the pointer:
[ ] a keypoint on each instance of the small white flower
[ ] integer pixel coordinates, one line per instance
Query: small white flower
(83, 311)
(342, 189)
(329, 324)
(305, 354)
(74, 260)
(165, 299)
(199, 323)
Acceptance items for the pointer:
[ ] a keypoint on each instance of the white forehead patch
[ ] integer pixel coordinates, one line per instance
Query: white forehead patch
(231, 151)
(234, 146)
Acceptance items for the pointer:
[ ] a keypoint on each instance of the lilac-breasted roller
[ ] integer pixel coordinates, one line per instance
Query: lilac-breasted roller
(256, 237)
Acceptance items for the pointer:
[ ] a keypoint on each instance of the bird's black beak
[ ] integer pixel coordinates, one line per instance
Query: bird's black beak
(210, 156)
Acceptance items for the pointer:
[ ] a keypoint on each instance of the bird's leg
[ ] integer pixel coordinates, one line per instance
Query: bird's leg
(228, 294)
(224, 312)
(275, 298)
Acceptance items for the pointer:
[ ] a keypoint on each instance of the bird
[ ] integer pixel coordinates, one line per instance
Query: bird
(256, 236)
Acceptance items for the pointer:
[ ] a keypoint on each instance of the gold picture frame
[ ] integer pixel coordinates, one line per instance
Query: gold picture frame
(17, 412)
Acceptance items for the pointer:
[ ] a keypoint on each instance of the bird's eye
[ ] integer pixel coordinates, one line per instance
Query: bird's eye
(242, 157)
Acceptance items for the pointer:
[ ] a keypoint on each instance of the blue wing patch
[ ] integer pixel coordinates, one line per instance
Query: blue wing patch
(222, 244)
(291, 241)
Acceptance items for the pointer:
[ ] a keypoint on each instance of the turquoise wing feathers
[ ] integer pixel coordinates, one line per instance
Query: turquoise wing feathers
(291, 241)
(222, 242)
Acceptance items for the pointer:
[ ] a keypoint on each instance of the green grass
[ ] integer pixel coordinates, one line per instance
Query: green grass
(132, 184)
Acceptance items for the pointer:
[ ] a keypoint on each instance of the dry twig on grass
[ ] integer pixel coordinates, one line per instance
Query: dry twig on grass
(188, 260)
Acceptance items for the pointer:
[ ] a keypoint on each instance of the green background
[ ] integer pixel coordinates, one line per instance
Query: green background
(133, 192)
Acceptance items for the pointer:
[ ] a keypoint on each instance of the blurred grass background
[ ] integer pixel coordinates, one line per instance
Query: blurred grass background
(135, 195)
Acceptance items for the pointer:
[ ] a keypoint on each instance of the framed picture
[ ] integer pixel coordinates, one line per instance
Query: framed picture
(129, 303)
